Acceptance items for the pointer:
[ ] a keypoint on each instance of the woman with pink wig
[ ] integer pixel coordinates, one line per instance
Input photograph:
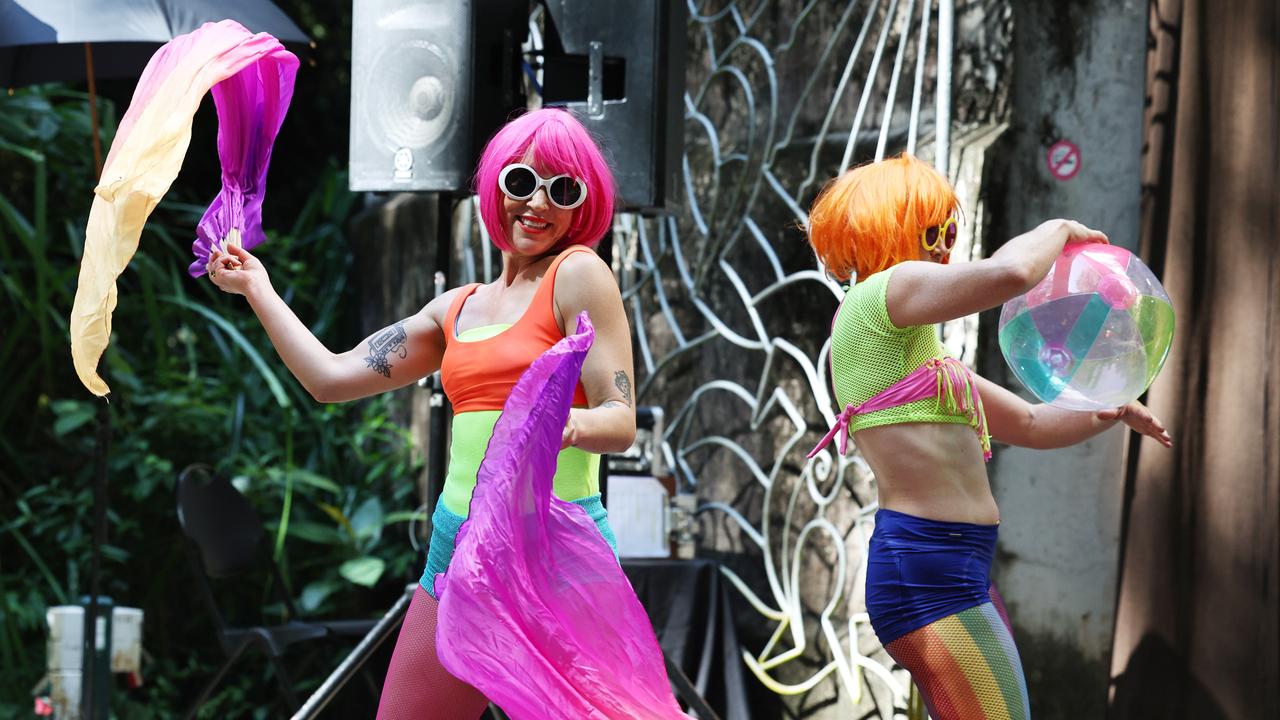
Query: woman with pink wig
(546, 198)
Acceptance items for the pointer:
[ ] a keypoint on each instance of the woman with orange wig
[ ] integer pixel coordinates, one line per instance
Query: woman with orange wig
(924, 422)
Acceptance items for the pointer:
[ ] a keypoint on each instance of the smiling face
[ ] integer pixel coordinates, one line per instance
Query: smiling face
(535, 224)
(551, 142)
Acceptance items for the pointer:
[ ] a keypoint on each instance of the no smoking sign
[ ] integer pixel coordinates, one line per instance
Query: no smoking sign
(1063, 159)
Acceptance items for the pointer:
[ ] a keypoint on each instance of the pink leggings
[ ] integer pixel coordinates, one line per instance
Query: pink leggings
(417, 685)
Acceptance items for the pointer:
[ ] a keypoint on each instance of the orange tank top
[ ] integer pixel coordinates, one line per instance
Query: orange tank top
(479, 374)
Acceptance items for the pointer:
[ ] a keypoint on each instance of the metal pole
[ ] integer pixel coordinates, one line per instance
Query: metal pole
(915, 705)
(357, 658)
(93, 109)
(921, 52)
(94, 689)
(438, 425)
(866, 88)
(946, 30)
(893, 82)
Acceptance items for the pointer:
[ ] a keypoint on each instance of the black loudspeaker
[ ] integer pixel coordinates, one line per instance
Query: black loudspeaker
(620, 67)
(431, 81)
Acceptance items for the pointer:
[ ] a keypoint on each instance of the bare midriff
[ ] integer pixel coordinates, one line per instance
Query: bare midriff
(930, 470)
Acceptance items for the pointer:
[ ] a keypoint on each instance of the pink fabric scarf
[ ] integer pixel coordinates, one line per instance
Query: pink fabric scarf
(534, 610)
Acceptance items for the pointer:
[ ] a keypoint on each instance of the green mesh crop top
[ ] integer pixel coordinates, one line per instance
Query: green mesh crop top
(870, 355)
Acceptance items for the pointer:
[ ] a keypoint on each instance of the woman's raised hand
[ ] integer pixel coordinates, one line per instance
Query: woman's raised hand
(235, 270)
(1078, 233)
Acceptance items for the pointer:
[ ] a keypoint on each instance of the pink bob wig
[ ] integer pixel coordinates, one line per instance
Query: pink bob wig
(871, 218)
(560, 144)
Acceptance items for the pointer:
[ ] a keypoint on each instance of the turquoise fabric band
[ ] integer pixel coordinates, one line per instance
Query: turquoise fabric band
(444, 531)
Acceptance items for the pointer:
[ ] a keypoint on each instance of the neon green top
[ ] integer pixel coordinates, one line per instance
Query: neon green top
(869, 353)
(577, 471)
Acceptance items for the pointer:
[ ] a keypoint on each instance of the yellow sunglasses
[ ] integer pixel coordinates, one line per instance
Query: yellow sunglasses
(940, 238)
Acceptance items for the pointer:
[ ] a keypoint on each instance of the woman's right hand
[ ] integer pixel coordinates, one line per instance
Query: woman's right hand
(235, 270)
(1032, 254)
(1078, 233)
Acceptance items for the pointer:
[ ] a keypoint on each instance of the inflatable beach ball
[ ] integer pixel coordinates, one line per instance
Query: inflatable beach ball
(1093, 333)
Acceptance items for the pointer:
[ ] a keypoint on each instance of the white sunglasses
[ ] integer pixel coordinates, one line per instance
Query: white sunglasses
(519, 182)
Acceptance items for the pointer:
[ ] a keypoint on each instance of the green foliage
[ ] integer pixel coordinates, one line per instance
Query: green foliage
(194, 379)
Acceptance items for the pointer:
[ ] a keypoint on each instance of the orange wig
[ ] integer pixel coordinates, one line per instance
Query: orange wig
(871, 218)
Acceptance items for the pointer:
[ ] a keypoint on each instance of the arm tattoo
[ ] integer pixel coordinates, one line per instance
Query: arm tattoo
(623, 383)
(389, 340)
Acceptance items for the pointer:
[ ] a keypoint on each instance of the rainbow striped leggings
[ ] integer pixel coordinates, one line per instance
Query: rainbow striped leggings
(933, 606)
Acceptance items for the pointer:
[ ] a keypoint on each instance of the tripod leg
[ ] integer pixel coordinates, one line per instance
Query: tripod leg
(286, 683)
(217, 678)
(686, 691)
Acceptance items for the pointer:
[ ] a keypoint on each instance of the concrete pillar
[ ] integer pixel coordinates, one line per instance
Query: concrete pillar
(1078, 76)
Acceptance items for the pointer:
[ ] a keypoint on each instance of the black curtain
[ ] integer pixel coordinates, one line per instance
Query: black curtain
(1199, 595)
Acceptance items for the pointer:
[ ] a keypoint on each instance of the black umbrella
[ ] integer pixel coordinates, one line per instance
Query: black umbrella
(74, 40)
(40, 39)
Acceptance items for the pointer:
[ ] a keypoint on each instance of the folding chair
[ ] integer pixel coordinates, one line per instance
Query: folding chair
(225, 541)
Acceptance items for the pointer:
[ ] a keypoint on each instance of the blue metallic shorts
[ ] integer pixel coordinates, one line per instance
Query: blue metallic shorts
(920, 570)
(444, 533)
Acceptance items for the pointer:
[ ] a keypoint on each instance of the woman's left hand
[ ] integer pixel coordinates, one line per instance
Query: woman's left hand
(570, 436)
(1137, 416)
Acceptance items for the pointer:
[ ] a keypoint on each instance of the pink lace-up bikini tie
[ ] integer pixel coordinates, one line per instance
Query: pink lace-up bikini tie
(944, 378)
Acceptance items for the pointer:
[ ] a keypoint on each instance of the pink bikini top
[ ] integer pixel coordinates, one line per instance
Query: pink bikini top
(945, 378)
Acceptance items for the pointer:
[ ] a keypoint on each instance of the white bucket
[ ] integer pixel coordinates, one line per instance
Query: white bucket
(126, 640)
(64, 694)
(66, 636)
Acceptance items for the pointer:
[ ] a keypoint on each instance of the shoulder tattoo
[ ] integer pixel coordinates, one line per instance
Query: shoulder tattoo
(390, 340)
(623, 383)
